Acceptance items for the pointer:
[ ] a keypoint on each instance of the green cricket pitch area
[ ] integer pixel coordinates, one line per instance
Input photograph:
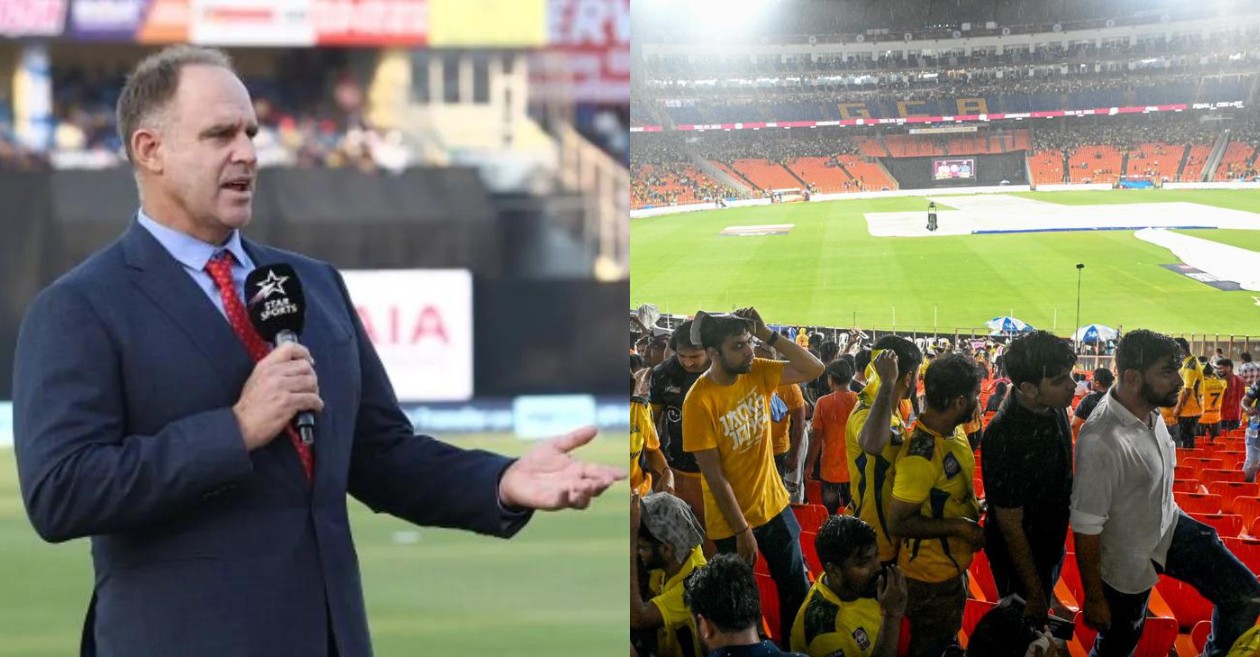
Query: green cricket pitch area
(557, 588)
(828, 270)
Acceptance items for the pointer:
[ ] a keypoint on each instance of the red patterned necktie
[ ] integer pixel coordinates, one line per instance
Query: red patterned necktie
(220, 269)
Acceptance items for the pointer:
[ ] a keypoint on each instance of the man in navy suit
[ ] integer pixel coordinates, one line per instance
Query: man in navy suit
(142, 420)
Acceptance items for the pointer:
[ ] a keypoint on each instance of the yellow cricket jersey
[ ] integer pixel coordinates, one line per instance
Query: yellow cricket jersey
(735, 420)
(1247, 645)
(1192, 379)
(871, 475)
(828, 626)
(677, 637)
(791, 395)
(936, 472)
(1213, 395)
(1169, 414)
(642, 435)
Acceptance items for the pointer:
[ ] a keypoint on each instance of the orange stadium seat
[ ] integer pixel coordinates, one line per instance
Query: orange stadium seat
(1201, 463)
(769, 604)
(972, 613)
(813, 491)
(871, 175)
(1047, 167)
(1226, 524)
(1198, 503)
(1232, 459)
(982, 576)
(1231, 490)
(809, 516)
(1249, 508)
(1194, 164)
(814, 170)
(810, 552)
(1199, 635)
(1097, 163)
(1246, 549)
(766, 174)
(1237, 154)
(1185, 602)
(1184, 473)
(1187, 486)
(1070, 578)
(1209, 475)
(1155, 160)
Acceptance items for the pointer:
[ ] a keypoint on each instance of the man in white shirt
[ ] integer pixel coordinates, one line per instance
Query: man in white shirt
(1128, 528)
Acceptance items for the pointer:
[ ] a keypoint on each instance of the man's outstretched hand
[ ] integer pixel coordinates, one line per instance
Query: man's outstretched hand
(548, 479)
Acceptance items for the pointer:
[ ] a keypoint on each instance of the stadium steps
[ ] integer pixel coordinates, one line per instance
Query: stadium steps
(1218, 153)
(1067, 168)
(793, 174)
(879, 139)
(719, 174)
(1181, 166)
(740, 175)
(1124, 164)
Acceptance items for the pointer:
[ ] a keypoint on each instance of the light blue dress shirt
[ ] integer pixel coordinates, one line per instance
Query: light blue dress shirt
(193, 254)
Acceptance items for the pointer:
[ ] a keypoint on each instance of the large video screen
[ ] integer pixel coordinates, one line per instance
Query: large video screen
(954, 169)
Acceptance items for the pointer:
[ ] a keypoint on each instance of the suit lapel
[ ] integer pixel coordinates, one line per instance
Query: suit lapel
(165, 282)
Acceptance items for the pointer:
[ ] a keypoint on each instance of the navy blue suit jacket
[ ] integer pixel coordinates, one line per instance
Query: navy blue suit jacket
(123, 387)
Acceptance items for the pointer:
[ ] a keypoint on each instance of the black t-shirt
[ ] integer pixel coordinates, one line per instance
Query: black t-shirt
(1087, 404)
(668, 388)
(1027, 462)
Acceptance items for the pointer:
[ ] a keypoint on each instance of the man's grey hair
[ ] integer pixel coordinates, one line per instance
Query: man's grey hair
(152, 85)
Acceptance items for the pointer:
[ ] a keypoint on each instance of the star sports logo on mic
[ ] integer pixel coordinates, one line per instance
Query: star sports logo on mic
(271, 286)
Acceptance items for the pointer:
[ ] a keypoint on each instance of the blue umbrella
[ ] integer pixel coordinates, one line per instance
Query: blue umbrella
(1094, 333)
(1005, 325)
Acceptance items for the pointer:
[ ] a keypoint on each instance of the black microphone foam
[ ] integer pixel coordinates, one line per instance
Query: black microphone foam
(273, 296)
(277, 310)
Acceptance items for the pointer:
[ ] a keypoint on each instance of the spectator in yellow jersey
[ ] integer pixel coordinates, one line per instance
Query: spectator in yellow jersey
(1213, 399)
(1189, 406)
(853, 609)
(934, 509)
(1247, 645)
(726, 606)
(666, 537)
(647, 463)
(875, 432)
(726, 424)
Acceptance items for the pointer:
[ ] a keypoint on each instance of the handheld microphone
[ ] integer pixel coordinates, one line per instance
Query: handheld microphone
(277, 309)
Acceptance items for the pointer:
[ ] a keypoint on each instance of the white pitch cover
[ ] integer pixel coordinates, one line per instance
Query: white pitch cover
(421, 323)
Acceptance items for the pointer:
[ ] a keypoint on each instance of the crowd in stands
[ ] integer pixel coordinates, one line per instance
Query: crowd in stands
(793, 22)
(1122, 132)
(778, 146)
(662, 173)
(307, 118)
(976, 83)
(951, 478)
(1218, 53)
(1094, 147)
